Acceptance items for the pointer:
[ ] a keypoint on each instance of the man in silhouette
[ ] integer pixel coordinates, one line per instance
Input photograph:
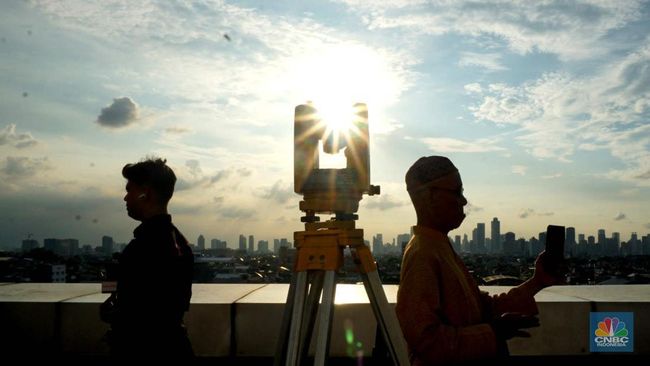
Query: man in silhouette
(154, 280)
(442, 313)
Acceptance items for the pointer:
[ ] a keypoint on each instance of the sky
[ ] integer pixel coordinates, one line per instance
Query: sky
(544, 107)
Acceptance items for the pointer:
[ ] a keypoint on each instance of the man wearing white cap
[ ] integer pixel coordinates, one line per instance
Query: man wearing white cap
(442, 313)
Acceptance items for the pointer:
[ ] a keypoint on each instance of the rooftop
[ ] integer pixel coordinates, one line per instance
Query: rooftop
(241, 321)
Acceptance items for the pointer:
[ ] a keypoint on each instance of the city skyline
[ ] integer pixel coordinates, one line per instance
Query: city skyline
(246, 241)
(543, 107)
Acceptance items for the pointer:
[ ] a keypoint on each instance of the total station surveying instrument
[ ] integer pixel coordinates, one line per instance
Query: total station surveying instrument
(319, 248)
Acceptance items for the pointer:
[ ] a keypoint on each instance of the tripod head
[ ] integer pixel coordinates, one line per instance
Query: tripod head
(331, 191)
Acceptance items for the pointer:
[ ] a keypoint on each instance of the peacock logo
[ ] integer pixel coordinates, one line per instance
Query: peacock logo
(612, 332)
(611, 327)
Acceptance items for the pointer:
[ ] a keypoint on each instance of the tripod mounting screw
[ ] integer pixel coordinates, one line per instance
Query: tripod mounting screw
(373, 190)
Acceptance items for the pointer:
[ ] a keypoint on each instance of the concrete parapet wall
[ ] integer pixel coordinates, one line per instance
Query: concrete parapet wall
(243, 320)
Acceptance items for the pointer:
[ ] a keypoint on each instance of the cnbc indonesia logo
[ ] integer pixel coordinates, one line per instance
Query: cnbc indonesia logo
(612, 333)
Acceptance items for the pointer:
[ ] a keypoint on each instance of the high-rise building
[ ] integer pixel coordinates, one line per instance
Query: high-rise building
(456, 245)
(465, 244)
(569, 241)
(200, 242)
(218, 244)
(263, 246)
(251, 244)
(602, 243)
(377, 244)
(510, 245)
(242, 242)
(592, 247)
(276, 246)
(495, 235)
(402, 240)
(64, 247)
(480, 238)
(107, 245)
(29, 244)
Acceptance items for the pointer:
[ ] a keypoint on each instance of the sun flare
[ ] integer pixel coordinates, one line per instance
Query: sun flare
(335, 77)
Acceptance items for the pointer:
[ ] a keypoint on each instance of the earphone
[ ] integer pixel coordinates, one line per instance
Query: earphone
(142, 196)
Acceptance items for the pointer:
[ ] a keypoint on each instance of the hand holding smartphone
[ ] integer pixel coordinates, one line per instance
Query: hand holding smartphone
(555, 241)
(554, 261)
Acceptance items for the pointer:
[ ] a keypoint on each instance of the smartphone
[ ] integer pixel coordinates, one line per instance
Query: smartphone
(555, 241)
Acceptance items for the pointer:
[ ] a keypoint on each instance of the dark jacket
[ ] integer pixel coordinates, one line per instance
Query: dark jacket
(154, 288)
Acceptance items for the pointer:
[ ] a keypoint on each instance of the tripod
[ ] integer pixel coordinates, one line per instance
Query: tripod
(319, 257)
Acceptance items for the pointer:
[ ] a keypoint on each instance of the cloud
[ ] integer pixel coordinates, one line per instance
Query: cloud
(489, 61)
(447, 145)
(558, 114)
(19, 167)
(552, 176)
(384, 202)
(645, 175)
(244, 172)
(279, 192)
(527, 212)
(473, 88)
(620, 216)
(194, 167)
(236, 213)
(574, 30)
(470, 209)
(193, 176)
(221, 175)
(530, 212)
(121, 113)
(177, 130)
(8, 136)
(519, 169)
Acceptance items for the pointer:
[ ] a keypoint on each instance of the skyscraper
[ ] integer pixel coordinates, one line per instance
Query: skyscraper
(480, 237)
(602, 242)
(495, 236)
(242, 242)
(377, 244)
(200, 242)
(107, 245)
(570, 241)
(251, 243)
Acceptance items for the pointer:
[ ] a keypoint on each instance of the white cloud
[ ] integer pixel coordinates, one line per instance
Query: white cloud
(8, 136)
(572, 30)
(559, 113)
(280, 192)
(620, 216)
(385, 202)
(473, 88)
(489, 61)
(519, 169)
(447, 145)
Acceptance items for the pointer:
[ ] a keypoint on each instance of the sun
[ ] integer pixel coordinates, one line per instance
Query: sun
(334, 77)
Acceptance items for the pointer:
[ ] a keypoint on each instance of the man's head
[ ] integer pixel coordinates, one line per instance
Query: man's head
(436, 190)
(149, 187)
